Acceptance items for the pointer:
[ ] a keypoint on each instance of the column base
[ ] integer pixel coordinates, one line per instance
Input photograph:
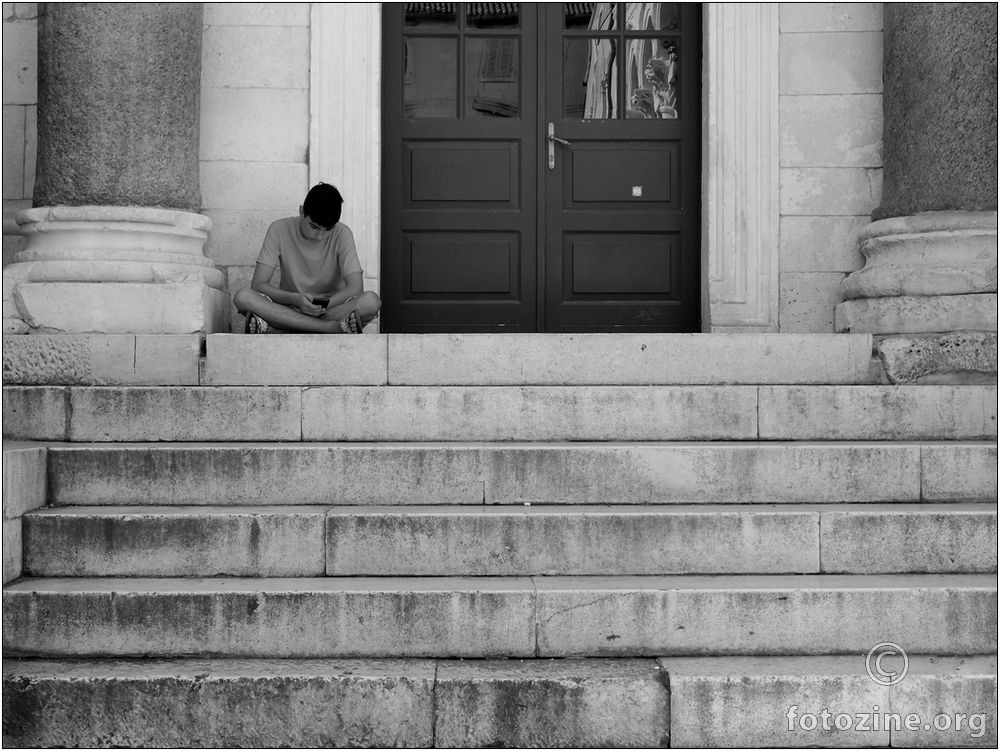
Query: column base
(113, 270)
(929, 291)
(960, 358)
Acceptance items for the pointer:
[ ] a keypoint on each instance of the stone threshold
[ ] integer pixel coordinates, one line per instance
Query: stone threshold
(439, 359)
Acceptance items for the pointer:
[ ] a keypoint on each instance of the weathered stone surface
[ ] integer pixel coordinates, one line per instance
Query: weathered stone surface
(171, 308)
(793, 615)
(525, 413)
(831, 131)
(958, 472)
(419, 474)
(24, 479)
(543, 540)
(135, 70)
(759, 702)
(94, 359)
(167, 360)
(256, 14)
(825, 191)
(207, 703)
(355, 617)
(916, 315)
(822, 63)
(184, 414)
(931, 253)
(237, 235)
(940, 128)
(905, 538)
(821, 243)
(194, 541)
(254, 185)
(300, 359)
(549, 704)
(875, 413)
(13, 149)
(961, 357)
(35, 413)
(627, 359)
(254, 124)
(940, 689)
(799, 17)
(12, 547)
(806, 301)
(232, 57)
(20, 53)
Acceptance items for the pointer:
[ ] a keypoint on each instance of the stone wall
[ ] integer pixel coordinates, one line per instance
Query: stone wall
(255, 126)
(831, 152)
(20, 108)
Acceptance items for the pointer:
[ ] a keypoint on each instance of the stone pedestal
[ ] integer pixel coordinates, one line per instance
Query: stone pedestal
(928, 290)
(114, 245)
(115, 270)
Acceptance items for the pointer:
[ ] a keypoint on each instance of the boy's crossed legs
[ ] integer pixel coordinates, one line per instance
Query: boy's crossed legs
(348, 317)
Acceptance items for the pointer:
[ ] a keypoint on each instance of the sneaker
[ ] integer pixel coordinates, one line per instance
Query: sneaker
(255, 325)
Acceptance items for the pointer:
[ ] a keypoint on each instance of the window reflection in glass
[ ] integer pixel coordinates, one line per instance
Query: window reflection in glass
(430, 69)
(492, 15)
(653, 16)
(651, 79)
(590, 75)
(491, 77)
(582, 16)
(430, 15)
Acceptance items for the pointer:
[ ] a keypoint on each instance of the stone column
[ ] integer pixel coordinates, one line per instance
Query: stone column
(115, 243)
(928, 290)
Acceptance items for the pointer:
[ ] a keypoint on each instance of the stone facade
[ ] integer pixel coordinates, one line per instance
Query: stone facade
(255, 137)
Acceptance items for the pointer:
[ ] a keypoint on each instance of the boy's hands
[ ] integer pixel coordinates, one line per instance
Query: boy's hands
(303, 302)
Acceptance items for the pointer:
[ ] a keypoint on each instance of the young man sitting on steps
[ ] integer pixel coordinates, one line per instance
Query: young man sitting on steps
(321, 285)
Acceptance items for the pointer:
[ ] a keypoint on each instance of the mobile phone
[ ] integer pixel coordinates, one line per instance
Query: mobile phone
(321, 301)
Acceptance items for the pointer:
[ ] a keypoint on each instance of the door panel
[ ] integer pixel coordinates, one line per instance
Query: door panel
(621, 246)
(481, 233)
(459, 174)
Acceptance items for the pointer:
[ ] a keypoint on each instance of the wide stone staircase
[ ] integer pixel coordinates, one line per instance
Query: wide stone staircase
(494, 540)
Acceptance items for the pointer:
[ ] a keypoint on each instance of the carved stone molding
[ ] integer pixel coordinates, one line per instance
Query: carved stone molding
(740, 167)
(345, 129)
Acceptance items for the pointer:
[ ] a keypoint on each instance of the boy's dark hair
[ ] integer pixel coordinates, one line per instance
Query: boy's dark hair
(323, 205)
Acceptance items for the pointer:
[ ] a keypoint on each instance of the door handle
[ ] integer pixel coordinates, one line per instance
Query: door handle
(553, 140)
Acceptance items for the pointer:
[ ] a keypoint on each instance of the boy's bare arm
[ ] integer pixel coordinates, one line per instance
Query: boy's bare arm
(354, 287)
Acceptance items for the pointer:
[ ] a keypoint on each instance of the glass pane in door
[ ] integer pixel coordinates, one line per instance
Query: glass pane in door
(583, 16)
(651, 75)
(491, 77)
(590, 76)
(430, 71)
(652, 16)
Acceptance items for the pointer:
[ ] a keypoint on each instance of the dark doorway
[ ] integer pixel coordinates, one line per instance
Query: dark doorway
(541, 167)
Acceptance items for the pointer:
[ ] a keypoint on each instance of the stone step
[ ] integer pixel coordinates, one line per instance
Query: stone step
(276, 541)
(499, 616)
(502, 473)
(501, 413)
(440, 359)
(609, 703)
(779, 702)
(540, 359)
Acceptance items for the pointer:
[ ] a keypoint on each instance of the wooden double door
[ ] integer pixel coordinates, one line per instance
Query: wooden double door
(541, 167)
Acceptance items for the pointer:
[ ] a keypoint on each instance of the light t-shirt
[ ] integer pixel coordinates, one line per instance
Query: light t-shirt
(319, 267)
